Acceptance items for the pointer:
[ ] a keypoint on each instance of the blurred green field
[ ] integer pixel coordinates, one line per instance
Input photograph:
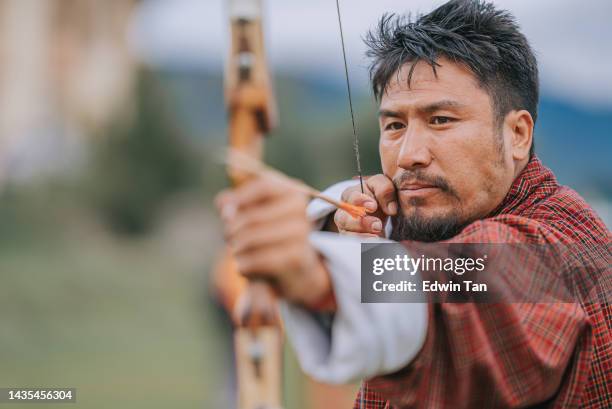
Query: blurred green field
(104, 273)
(125, 321)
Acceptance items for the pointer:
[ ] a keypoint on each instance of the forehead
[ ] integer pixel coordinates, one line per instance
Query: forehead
(452, 81)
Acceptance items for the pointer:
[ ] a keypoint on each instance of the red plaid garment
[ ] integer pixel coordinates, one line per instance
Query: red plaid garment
(514, 354)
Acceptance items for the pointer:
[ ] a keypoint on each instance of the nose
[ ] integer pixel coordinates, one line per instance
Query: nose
(414, 151)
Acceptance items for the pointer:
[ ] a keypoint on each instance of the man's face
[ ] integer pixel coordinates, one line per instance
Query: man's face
(443, 149)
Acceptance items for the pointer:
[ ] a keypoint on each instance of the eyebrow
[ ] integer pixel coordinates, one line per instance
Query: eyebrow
(389, 114)
(440, 105)
(429, 108)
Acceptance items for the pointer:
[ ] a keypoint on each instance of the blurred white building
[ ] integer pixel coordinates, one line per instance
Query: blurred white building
(65, 71)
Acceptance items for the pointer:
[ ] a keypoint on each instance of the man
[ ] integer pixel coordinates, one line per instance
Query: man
(458, 93)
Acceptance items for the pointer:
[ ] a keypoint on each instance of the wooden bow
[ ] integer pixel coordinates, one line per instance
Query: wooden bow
(252, 114)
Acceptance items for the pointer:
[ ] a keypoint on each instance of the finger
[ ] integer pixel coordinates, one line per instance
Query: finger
(304, 280)
(270, 262)
(367, 199)
(292, 206)
(223, 199)
(290, 268)
(354, 196)
(384, 192)
(371, 224)
(269, 235)
(348, 191)
(259, 189)
(258, 264)
(346, 222)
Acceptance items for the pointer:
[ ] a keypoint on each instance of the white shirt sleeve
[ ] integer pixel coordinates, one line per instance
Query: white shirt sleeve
(360, 340)
(318, 209)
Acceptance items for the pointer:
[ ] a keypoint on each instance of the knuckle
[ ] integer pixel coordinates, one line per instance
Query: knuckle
(348, 192)
(341, 219)
(355, 197)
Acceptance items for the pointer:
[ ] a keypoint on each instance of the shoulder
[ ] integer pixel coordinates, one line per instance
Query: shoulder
(562, 217)
(503, 229)
(569, 216)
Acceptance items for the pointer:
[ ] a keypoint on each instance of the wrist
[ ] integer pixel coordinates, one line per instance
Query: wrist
(320, 295)
(325, 304)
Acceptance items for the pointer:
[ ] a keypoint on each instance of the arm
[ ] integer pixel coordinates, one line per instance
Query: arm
(271, 237)
(506, 355)
(359, 340)
(388, 335)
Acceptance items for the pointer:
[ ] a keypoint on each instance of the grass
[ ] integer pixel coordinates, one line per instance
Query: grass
(126, 322)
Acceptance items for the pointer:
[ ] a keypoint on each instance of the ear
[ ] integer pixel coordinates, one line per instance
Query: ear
(520, 124)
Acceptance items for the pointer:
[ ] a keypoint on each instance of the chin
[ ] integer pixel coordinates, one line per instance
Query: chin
(422, 223)
(428, 211)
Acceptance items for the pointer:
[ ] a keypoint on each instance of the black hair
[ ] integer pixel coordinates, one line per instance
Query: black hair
(471, 32)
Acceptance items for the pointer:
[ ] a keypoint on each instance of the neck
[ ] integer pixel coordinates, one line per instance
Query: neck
(519, 166)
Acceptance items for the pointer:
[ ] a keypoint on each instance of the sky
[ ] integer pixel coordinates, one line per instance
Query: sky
(571, 38)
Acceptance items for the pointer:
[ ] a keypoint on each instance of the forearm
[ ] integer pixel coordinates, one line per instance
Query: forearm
(385, 337)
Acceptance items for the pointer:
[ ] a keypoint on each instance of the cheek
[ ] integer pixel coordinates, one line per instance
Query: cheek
(480, 183)
(388, 156)
(471, 163)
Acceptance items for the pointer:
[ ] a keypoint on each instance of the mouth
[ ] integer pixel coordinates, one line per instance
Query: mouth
(418, 189)
(417, 186)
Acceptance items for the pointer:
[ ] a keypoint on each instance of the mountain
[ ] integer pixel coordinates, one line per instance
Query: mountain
(575, 141)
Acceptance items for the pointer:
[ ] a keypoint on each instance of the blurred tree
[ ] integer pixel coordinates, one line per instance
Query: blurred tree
(141, 162)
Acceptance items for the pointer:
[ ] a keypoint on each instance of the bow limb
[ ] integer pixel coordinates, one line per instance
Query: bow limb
(252, 114)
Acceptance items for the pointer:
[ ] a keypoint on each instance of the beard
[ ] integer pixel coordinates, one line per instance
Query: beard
(419, 227)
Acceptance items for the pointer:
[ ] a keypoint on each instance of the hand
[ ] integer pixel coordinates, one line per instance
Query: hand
(267, 229)
(379, 197)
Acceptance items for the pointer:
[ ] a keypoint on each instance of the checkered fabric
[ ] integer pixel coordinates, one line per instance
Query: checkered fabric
(515, 355)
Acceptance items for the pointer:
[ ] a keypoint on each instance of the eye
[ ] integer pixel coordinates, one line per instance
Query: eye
(394, 126)
(441, 120)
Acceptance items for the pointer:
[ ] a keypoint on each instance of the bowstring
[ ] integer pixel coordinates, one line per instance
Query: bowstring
(348, 88)
(355, 138)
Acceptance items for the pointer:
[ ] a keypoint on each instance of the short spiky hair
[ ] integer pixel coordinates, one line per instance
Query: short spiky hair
(470, 32)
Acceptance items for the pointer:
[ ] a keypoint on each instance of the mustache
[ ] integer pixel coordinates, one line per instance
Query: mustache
(421, 177)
